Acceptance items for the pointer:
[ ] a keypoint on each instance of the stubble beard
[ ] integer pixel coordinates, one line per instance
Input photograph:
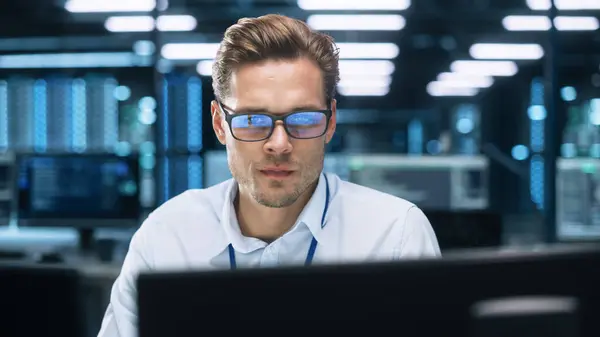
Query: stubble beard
(275, 196)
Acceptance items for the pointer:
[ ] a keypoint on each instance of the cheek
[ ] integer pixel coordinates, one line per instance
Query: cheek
(309, 151)
(243, 153)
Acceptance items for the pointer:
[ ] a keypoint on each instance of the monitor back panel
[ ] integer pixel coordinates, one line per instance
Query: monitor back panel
(414, 298)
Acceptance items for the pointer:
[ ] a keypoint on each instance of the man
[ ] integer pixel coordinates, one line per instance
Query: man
(274, 81)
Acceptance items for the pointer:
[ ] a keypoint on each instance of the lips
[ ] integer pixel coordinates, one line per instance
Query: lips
(277, 172)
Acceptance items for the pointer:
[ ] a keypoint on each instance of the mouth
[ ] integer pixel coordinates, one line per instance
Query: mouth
(276, 173)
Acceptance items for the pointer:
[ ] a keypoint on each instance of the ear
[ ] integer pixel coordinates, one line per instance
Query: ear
(332, 122)
(218, 123)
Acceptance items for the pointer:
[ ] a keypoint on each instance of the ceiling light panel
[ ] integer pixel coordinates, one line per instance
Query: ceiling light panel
(506, 51)
(370, 22)
(107, 6)
(372, 5)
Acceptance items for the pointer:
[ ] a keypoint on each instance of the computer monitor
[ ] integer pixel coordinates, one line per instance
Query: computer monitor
(429, 297)
(80, 191)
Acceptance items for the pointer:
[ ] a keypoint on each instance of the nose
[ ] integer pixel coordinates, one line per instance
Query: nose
(279, 142)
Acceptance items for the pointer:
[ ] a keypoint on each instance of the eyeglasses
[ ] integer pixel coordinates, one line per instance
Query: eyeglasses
(254, 127)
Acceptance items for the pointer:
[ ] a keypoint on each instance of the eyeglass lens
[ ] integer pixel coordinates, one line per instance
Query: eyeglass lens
(302, 125)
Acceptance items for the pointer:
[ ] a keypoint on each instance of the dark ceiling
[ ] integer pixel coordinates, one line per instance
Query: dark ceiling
(436, 33)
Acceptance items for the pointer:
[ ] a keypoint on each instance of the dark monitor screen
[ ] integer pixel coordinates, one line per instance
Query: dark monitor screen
(78, 191)
(456, 230)
(36, 311)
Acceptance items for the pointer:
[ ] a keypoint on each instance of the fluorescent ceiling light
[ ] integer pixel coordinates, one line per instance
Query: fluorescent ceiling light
(397, 5)
(356, 22)
(574, 23)
(366, 67)
(165, 23)
(364, 81)
(544, 5)
(542, 23)
(363, 91)
(368, 50)
(176, 23)
(129, 24)
(189, 51)
(485, 68)
(472, 81)
(526, 23)
(506, 51)
(73, 60)
(450, 76)
(438, 89)
(204, 68)
(103, 6)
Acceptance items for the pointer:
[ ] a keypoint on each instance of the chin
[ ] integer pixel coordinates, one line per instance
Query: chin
(276, 201)
(276, 197)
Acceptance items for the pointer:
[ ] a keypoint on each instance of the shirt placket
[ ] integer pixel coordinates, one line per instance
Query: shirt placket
(270, 255)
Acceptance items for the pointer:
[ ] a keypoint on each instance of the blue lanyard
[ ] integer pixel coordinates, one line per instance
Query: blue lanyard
(313, 242)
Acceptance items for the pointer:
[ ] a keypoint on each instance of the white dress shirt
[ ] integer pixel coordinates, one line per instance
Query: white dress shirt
(194, 230)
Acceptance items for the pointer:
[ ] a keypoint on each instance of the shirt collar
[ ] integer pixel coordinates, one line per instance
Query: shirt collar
(310, 217)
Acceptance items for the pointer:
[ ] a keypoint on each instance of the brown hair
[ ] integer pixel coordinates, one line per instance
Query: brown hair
(273, 37)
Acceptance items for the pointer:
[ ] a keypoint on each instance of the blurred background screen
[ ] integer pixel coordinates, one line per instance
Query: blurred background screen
(82, 188)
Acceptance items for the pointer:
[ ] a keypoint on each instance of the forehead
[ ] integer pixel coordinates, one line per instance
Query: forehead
(278, 85)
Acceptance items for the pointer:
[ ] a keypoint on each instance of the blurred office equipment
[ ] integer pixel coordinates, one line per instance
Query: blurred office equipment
(337, 163)
(466, 131)
(578, 199)
(429, 297)
(80, 191)
(179, 127)
(413, 132)
(7, 195)
(41, 300)
(216, 169)
(456, 230)
(59, 113)
(433, 183)
(177, 173)
(179, 136)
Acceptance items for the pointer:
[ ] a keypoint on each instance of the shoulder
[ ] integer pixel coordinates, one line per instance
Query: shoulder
(368, 200)
(396, 225)
(189, 221)
(192, 203)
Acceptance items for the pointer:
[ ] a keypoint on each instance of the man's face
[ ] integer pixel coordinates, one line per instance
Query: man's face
(278, 170)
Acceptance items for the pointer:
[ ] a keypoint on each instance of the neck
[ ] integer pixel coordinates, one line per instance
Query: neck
(268, 223)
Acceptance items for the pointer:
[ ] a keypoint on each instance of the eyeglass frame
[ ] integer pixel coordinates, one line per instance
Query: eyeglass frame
(229, 117)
